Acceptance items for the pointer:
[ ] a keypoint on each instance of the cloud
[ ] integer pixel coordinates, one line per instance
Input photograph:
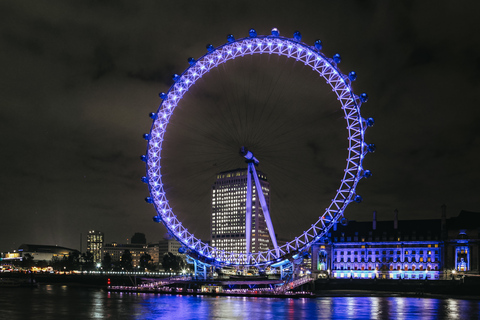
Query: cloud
(79, 79)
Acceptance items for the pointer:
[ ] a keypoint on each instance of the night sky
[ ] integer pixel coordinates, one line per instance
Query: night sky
(79, 78)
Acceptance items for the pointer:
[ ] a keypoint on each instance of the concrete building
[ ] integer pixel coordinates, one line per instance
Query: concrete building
(228, 213)
(95, 242)
(153, 249)
(168, 244)
(116, 251)
(44, 252)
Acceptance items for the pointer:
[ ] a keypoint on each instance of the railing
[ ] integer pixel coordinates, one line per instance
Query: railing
(293, 284)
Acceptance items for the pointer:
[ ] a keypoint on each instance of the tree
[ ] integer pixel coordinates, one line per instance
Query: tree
(60, 263)
(42, 264)
(73, 261)
(88, 261)
(107, 262)
(56, 263)
(172, 262)
(127, 260)
(27, 261)
(145, 261)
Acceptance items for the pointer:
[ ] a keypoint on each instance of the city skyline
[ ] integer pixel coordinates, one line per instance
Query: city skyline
(78, 87)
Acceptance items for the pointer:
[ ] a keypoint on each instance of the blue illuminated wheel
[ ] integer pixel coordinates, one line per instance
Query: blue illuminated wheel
(357, 148)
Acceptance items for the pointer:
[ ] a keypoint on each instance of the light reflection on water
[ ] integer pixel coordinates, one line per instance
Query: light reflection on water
(62, 302)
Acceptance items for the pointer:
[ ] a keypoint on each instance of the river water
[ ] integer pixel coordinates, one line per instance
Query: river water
(73, 302)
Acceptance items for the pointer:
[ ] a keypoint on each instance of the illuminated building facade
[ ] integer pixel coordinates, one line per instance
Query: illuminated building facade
(116, 251)
(153, 249)
(229, 194)
(45, 252)
(95, 241)
(408, 249)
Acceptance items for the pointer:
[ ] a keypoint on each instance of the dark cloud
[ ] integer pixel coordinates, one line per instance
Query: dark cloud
(79, 79)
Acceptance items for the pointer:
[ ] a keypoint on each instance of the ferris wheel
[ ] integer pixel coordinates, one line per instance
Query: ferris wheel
(349, 103)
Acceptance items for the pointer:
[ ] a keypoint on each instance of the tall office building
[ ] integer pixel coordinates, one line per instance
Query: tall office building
(95, 240)
(229, 193)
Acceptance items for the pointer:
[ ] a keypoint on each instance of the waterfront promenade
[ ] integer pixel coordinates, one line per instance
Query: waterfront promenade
(144, 282)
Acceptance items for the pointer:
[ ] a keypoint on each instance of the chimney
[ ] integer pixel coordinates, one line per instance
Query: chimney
(374, 227)
(395, 219)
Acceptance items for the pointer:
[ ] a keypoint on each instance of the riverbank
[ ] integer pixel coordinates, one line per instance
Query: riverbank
(467, 288)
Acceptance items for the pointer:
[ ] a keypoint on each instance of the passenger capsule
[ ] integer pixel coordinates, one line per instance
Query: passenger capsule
(297, 36)
(230, 38)
(191, 61)
(371, 148)
(210, 48)
(162, 95)
(275, 32)
(149, 200)
(152, 115)
(144, 179)
(252, 33)
(358, 199)
(364, 97)
(352, 76)
(157, 219)
(370, 122)
(367, 174)
(143, 158)
(337, 58)
(146, 136)
(318, 44)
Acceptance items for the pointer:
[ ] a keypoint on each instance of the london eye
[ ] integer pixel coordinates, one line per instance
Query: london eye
(348, 102)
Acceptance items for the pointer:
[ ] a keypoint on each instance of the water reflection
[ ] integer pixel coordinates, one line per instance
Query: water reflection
(320, 308)
(452, 309)
(63, 302)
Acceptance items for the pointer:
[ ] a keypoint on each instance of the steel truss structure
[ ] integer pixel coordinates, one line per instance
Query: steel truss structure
(200, 269)
(252, 172)
(350, 103)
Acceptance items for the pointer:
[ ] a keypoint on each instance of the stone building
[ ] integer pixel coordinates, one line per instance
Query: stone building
(400, 249)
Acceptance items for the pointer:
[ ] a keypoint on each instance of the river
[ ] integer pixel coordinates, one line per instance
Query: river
(75, 302)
